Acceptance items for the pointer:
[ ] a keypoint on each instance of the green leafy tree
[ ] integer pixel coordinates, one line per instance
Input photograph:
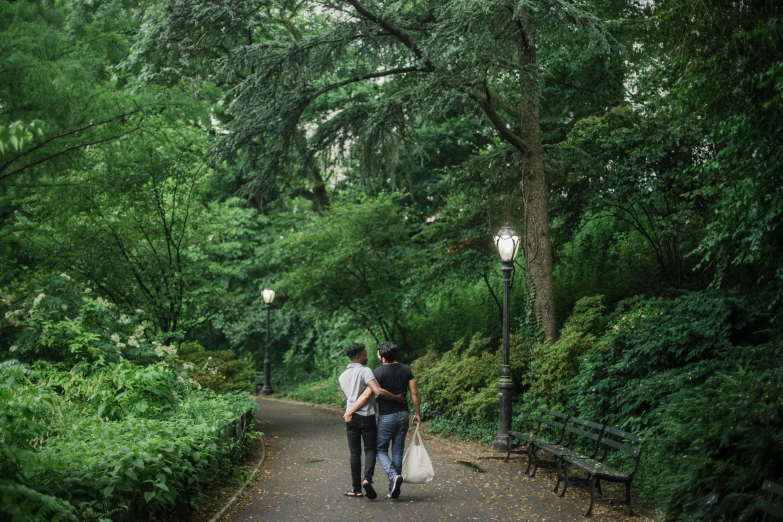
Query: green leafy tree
(444, 60)
(58, 87)
(634, 167)
(359, 257)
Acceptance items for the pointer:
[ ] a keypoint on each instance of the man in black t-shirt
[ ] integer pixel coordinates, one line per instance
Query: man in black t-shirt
(396, 378)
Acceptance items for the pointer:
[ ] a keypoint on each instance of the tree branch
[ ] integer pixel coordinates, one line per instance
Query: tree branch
(498, 123)
(64, 151)
(362, 77)
(62, 135)
(406, 40)
(501, 102)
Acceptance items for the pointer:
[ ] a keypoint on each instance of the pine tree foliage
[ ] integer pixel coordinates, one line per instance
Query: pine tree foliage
(448, 55)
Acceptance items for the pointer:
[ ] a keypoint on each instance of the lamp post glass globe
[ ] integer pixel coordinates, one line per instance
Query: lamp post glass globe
(507, 242)
(269, 296)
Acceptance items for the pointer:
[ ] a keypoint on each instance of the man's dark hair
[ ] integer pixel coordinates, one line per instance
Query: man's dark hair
(354, 350)
(388, 350)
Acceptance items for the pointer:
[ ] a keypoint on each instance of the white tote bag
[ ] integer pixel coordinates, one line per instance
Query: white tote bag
(416, 465)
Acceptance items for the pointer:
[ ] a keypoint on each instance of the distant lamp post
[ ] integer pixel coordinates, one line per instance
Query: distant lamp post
(269, 296)
(507, 242)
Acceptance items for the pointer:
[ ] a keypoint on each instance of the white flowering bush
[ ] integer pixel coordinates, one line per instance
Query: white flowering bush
(70, 323)
(219, 370)
(121, 390)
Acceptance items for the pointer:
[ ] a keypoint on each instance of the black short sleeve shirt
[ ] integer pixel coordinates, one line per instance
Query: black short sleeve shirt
(393, 378)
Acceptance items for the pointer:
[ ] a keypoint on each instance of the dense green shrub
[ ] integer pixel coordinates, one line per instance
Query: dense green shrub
(218, 370)
(23, 412)
(68, 324)
(146, 466)
(700, 378)
(120, 390)
(553, 366)
(650, 344)
(326, 391)
(115, 438)
(459, 388)
(462, 381)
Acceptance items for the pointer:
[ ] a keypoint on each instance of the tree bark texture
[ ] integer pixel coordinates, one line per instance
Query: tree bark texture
(536, 244)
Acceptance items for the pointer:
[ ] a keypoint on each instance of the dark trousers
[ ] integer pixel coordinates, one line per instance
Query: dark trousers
(361, 428)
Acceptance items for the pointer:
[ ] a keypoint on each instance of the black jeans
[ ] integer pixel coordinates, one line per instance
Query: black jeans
(361, 427)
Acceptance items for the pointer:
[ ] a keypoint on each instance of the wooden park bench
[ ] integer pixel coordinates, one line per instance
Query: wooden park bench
(557, 434)
(771, 505)
(582, 441)
(611, 442)
(550, 428)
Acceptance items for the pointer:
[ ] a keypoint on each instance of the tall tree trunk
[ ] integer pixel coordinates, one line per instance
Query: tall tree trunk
(318, 195)
(538, 251)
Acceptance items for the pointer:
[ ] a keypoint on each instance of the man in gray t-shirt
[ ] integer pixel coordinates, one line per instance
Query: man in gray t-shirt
(360, 418)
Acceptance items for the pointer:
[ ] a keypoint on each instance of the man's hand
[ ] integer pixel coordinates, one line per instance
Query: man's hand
(417, 420)
(401, 397)
(348, 417)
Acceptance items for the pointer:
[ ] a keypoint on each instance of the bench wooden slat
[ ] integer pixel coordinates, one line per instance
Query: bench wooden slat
(620, 446)
(582, 433)
(524, 436)
(769, 507)
(772, 487)
(599, 468)
(557, 450)
(554, 413)
(550, 422)
(589, 424)
(624, 435)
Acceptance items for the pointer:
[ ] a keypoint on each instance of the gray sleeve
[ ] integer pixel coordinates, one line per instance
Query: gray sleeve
(367, 375)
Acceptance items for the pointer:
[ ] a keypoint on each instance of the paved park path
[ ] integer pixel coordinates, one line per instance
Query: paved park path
(306, 474)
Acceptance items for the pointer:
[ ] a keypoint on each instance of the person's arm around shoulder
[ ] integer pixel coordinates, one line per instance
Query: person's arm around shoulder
(380, 392)
(416, 402)
(361, 401)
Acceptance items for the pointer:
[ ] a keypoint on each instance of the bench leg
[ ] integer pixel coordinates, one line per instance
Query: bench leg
(529, 458)
(535, 463)
(565, 478)
(592, 496)
(598, 487)
(558, 468)
(628, 497)
(508, 449)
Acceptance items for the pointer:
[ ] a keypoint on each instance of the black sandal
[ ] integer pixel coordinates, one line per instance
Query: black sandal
(369, 490)
(352, 493)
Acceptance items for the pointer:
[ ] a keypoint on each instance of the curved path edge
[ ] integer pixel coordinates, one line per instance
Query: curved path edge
(221, 513)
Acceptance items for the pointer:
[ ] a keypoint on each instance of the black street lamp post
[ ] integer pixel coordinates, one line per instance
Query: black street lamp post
(269, 296)
(507, 243)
